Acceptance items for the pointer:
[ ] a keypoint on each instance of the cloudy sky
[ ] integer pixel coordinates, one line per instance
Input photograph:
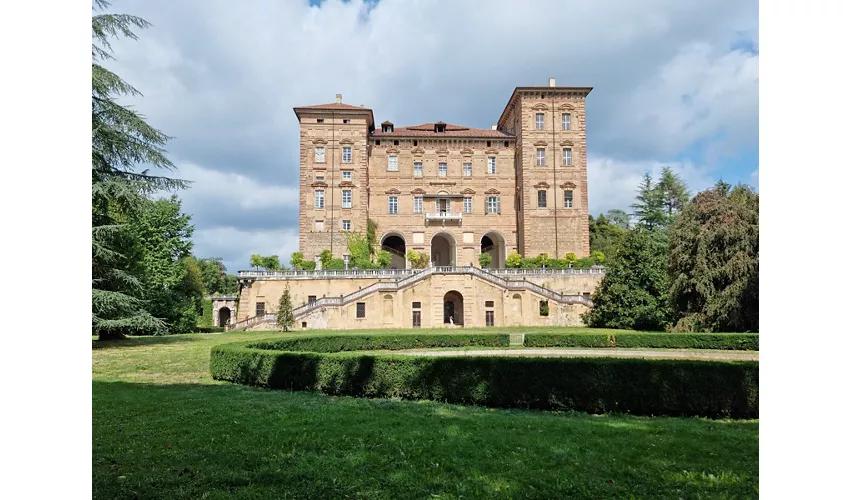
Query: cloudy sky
(675, 83)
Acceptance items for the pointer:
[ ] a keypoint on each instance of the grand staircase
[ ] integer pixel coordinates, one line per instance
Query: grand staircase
(407, 281)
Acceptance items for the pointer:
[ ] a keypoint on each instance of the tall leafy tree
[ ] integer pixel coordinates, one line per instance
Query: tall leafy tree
(121, 142)
(619, 218)
(714, 261)
(634, 292)
(605, 237)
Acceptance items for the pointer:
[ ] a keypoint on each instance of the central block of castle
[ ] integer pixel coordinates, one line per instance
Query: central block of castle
(449, 191)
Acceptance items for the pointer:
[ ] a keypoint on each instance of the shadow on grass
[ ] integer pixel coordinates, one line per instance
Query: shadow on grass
(193, 441)
(149, 340)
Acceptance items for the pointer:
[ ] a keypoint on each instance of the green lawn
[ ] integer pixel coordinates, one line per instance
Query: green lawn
(162, 428)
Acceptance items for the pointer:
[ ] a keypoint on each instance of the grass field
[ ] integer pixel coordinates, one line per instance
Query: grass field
(162, 428)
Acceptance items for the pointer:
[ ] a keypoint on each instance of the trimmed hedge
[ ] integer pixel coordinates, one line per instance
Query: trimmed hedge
(594, 385)
(720, 341)
(209, 329)
(341, 343)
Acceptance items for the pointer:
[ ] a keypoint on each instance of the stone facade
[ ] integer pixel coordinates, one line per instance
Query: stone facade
(446, 190)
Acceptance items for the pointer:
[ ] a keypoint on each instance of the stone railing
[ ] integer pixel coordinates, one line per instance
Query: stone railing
(443, 216)
(326, 274)
(398, 273)
(248, 323)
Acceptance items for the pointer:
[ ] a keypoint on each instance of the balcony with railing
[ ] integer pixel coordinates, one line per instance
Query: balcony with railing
(443, 216)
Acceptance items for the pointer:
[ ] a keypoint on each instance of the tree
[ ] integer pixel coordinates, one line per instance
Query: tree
(325, 257)
(605, 237)
(714, 261)
(619, 218)
(383, 259)
(171, 279)
(418, 260)
(121, 140)
(648, 205)
(215, 278)
(672, 192)
(514, 260)
(285, 318)
(271, 262)
(485, 259)
(257, 261)
(297, 260)
(634, 292)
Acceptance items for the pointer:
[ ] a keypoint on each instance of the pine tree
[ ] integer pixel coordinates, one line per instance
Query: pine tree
(672, 192)
(121, 140)
(285, 318)
(648, 205)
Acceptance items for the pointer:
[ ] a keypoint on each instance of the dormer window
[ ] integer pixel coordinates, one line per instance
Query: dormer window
(439, 127)
(387, 127)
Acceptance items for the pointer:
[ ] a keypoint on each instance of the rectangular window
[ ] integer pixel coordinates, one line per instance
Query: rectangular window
(320, 120)
(319, 200)
(492, 204)
(417, 204)
(261, 308)
(346, 175)
(467, 204)
(320, 154)
(361, 309)
(417, 169)
(489, 318)
(346, 225)
(346, 198)
(444, 170)
(311, 299)
(467, 169)
(392, 164)
(346, 121)
(544, 308)
(417, 305)
(541, 157)
(488, 303)
(491, 164)
(565, 121)
(417, 319)
(393, 204)
(568, 199)
(541, 198)
(538, 121)
(319, 226)
(320, 178)
(346, 154)
(568, 157)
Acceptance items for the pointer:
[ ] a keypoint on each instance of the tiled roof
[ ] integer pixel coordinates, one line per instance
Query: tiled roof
(427, 129)
(336, 106)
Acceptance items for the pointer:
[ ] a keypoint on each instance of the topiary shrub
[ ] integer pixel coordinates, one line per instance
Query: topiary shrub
(514, 260)
(485, 259)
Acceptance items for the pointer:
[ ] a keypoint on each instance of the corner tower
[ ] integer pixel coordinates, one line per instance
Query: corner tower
(551, 168)
(333, 175)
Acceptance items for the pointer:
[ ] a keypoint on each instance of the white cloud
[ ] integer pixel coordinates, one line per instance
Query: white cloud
(233, 191)
(235, 246)
(613, 184)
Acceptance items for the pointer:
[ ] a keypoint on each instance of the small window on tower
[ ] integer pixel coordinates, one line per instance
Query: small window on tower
(320, 120)
(395, 143)
(488, 303)
(346, 121)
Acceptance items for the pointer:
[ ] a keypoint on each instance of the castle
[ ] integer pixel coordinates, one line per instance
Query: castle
(448, 192)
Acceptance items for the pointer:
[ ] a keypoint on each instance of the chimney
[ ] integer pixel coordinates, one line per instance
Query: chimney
(492, 127)
(339, 97)
(551, 83)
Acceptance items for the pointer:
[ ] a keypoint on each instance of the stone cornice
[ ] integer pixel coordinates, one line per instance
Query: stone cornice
(542, 185)
(568, 185)
(392, 191)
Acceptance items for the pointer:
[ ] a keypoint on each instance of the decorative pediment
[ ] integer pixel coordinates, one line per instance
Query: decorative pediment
(492, 191)
(443, 152)
(566, 142)
(542, 185)
(468, 191)
(392, 191)
(466, 152)
(346, 184)
(540, 107)
(392, 151)
(541, 143)
(322, 184)
(346, 142)
(418, 191)
(491, 151)
(568, 185)
(566, 106)
(320, 141)
(418, 151)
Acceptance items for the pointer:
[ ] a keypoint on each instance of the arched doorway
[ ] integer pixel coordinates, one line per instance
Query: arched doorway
(453, 308)
(394, 244)
(443, 249)
(493, 243)
(223, 316)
